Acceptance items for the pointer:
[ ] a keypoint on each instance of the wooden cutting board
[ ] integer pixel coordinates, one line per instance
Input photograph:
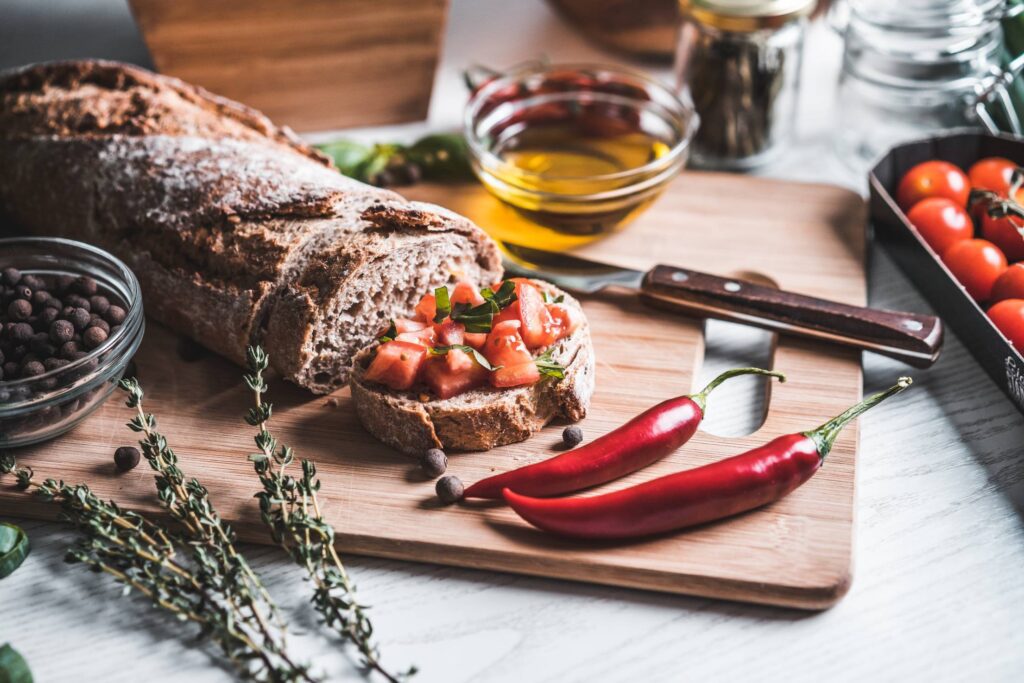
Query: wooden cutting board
(797, 552)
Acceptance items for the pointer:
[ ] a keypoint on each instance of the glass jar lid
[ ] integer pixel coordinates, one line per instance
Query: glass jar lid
(746, 15)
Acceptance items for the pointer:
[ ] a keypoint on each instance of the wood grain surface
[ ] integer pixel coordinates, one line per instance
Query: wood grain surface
(308, 64)
(796, 552)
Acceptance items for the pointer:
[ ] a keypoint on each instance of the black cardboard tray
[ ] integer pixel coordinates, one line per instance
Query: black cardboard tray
(922, 265)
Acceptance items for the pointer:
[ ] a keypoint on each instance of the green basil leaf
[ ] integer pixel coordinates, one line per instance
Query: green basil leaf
(476, 318)
(477, 356)
(505, 296)
(442, 156)
(13, 667)
(548, 367)
(389, 334)
(443, 304)
(347, 155)
(14, 548)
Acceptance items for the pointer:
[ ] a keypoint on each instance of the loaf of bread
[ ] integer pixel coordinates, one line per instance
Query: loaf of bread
(238, 231)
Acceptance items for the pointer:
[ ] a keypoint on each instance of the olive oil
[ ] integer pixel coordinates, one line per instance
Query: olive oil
(572, 182)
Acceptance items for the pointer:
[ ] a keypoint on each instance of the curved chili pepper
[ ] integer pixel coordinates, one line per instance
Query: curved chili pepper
(645, 439)
(720, 489)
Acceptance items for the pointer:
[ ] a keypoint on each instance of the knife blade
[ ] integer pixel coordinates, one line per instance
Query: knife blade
(910, 337)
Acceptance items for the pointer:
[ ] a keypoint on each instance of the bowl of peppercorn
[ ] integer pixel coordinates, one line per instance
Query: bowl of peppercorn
(70, 321)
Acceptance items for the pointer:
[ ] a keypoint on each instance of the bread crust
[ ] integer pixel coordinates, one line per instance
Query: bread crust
(239, 232)
(481, 419)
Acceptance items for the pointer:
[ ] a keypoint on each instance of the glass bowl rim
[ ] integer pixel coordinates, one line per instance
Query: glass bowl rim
(133, 314)
(681, 110)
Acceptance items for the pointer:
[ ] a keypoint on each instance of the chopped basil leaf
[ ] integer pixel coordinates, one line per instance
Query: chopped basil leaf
(549, 367)
(14, 548)
(444, 305)
(390, 334)
(477, 356)
(476, 318)
(558, 299)
(13, 667)
(505, 295)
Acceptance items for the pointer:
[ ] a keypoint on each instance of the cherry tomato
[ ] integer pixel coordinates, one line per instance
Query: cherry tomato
(992, 173)
(476, 339)
(1008, 316)
(566, 319)
(933, 179)
(396, 364)
(1006, 234)
(941, 222)
(453, 373)
(977, 264)
(1010, 284)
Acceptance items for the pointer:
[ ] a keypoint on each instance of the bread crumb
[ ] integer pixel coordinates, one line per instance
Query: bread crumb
(331, 402)
(424, 398)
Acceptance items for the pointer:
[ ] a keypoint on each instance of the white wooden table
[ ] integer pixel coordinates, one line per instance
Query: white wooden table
(938, 592)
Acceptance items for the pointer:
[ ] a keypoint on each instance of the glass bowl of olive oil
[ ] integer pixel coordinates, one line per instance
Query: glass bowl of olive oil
(574, 152)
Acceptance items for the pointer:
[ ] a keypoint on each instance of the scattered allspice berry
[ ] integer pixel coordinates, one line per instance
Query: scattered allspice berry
(126, 458)
(572, 436)
(449, 489)
(434, 462)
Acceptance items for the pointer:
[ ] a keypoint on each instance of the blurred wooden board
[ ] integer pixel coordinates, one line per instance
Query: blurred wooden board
(308, 64)
(797, 552)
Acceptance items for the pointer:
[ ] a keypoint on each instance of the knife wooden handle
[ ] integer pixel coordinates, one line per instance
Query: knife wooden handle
(910, 337)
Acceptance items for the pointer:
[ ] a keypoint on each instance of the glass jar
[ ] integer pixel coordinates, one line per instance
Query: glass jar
(739, 62)
(916, 67)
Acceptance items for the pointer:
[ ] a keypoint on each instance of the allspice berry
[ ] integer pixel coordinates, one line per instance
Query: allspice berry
(115, 315)
(19, 309)
(572, 436)
(126, 458)
(93, 337)
(449, 489)
(61, 331)
(434, 462)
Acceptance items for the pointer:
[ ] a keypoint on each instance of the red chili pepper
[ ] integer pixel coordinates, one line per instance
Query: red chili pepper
(721, 489)
(645, 439)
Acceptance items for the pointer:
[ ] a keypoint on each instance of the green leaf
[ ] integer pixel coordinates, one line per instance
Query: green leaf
(390, 334)
(476, 318)
(548, 367)
(13, 667)
(477, 356)
(443, 304)
(348, 155)
(505, 296)
(442, 156)
(14, 548)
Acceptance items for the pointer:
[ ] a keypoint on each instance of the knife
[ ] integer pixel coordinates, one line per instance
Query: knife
(910, 337)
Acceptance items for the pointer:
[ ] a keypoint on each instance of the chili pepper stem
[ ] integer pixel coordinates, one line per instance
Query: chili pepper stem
(701, 397)
(825, 435)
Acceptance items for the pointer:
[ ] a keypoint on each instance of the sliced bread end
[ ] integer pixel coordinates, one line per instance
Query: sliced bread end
(484, 418)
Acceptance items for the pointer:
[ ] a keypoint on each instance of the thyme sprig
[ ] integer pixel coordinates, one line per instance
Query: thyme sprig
(176, 571)
(290, 508)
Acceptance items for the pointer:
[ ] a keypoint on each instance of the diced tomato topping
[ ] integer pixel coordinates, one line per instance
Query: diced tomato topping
(453, 373)
(537, 330)
(407, 325)
(465, 293)
(450, 332)
(505, 347)
(397, 364)
(476, 339)
(426, 336)
(426, 309)
(510, 312)
(566, 320)
(515, 375)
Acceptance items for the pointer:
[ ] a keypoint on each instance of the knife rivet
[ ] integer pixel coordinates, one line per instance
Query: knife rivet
(679, 277)
(732, 286)
(913, 325)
